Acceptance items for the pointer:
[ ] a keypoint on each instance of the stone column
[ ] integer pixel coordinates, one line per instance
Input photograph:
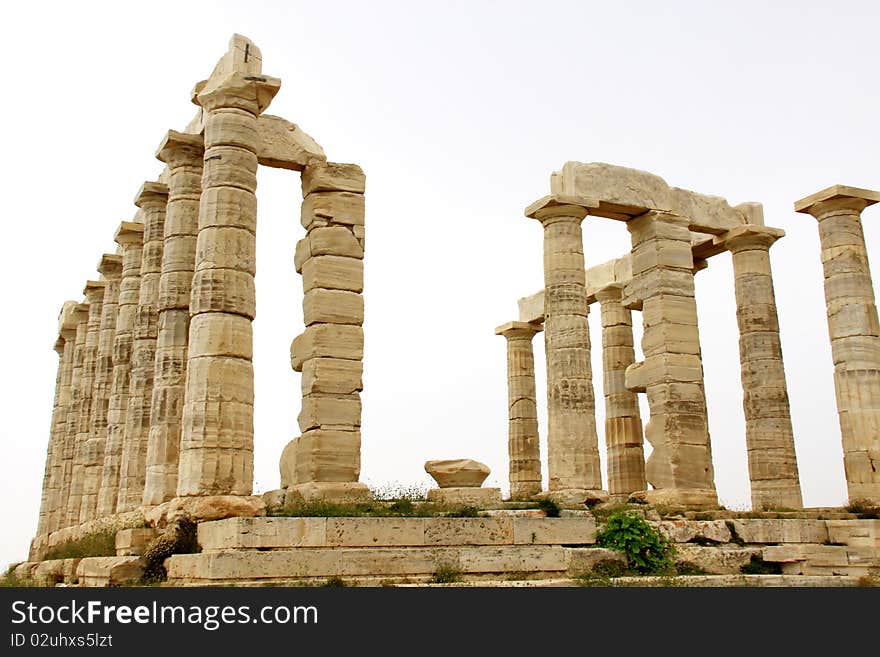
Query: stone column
(523, 447)
(217, 435)
(773, 470)
(325, 461)
(94, 292)
(152, 199)
(623, 423)
(80, 319)
(130, 237)
(572, 443)
(680, 465)
(64, 346)
(110, 267)
(184, 155)
(854, 331)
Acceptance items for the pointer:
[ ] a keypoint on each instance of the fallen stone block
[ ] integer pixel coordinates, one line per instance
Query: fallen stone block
(110, 571)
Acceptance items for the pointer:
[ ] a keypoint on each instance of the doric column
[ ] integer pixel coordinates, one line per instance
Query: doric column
(680, 465)
(79, 319)
(854, 331)
(217, 436)
(324, 462)
(183, 154)
(152, 199)
(64, 346)
(94, 292)
(522, 410)
(130, 237)
(623, 423)
(110, 267)
(773, 470)
(572, 442)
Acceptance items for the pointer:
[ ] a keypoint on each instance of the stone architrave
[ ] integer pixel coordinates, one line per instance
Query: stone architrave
(854, 331)
(94, 292)
(184, 156)
(680, 465)
(324, 461)
(79, 319)
(110, 268)
(152, 199)
(572, 441)
(217, 435)
(624, 439)
(773, 470)
(130, 237)
(64, 346)
(522, 410)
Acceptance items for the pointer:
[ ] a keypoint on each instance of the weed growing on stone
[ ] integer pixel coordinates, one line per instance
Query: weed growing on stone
(646, 550)
(446, 573)
(101, 544)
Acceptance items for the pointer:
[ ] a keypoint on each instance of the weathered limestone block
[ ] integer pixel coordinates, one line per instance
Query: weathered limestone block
(333, 177)
(131, 542)
(216, 445)
(110, 267)
(327, 341)
(572, 441)
(554, 531)
(152, 199)
(854, 330)
(322, 411)
(583, 560)
(333, 273)
(284, 145)
(332, 375)
(332, 207)
(327, 240)
(781, 530)
(130, 237)
(623, 423)
(855, 533)
(204, 508)
(465, 496)
(457, 473)
(324, 455)
(772, 460)
(55, 571)
(468, 531)
(717, 560)
(687, 531)
(262, 533)
(523, 449)
(94, 292)
(322, 306)
(110, 571)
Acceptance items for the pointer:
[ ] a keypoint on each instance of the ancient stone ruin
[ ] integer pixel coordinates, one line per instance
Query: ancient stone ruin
(152, 423)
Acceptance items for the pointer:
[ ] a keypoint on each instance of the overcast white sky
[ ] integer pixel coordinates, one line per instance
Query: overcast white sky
(458, 112)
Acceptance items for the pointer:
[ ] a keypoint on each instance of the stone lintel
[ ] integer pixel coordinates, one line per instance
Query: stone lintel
(752, 211)
(518, 329)
(110, 265)
(151, 192)
(284, 145)
(174, 140)
(531, 308)
(129, 232)
(836, 192)
(612, 292)
(559, 205)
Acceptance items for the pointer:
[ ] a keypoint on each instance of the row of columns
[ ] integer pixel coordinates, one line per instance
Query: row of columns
(680, 466)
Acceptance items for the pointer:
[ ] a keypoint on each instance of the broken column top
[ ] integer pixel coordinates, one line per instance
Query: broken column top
(67, 317)
(512, 329)
(834, 193)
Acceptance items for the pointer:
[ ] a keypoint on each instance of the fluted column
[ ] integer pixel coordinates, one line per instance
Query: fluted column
(64, 346)
(183, 154)
(773, 470)
(680, 465)
(572, 441)
(130, 237)
(152, 199)
(522, 410)
(94, 292)
(217, 437)
(110, 267)
(854, 330)
(624, 441)
(80, 319)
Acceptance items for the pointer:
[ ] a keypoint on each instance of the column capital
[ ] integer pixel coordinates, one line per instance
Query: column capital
(178, 148)
(749, 237)
(836, 197)
(110, 265)
(129, 232)
(559, 206)
(94, 291)
(151, 194)
(518, 330)
(238, 90)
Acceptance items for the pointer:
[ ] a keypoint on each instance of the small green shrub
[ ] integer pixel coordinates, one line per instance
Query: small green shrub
(549, 507)
(446, 573)
(626, 532)
(101, 544)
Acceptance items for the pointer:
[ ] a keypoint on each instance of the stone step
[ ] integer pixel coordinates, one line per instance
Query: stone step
(110, 571)
(278, 533)
(690, 581)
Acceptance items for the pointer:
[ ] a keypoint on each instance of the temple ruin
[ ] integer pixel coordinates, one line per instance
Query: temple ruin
(153, 411)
